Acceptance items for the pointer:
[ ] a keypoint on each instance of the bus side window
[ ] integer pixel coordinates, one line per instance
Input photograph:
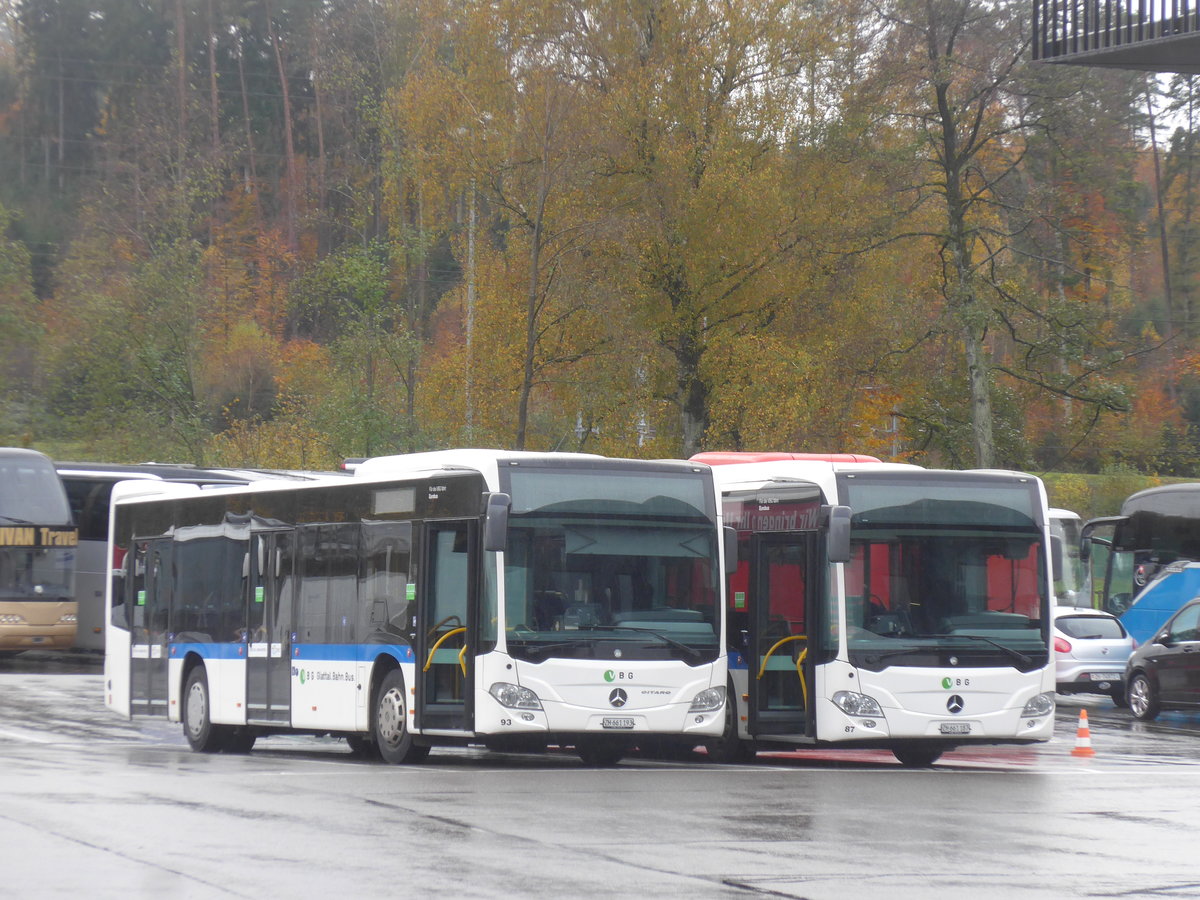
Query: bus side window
(386, 549)
(120, 582)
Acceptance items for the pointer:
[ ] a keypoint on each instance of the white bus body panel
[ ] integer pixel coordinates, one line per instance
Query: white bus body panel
(576, 697)
(116, 667)
(916, 702)
(325, 694)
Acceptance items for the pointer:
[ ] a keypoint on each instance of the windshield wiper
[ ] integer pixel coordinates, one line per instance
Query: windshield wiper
(693, 652)
(542, 649)
(899, 651)
(1015, 654)
(15, 520)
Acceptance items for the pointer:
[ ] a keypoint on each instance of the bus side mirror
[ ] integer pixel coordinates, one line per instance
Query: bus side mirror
(495, 521)
(837, 541)
(1056, 557)
(730, 548)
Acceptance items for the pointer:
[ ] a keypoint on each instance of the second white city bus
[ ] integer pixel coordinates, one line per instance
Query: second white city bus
(513, 599)
(885, 605)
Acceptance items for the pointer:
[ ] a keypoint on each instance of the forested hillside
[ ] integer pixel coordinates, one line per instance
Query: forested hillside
(279, 232)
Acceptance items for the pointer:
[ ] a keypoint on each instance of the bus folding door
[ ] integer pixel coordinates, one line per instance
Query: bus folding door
(150, 604)
(268, 624)
(446, 627)
(785, 583)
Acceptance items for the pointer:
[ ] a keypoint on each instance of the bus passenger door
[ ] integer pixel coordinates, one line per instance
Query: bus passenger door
(446, 628)
(269, 622)
(785, 582)
(151, 605)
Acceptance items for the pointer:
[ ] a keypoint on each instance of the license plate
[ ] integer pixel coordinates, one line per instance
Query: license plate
(1106, 676)
(955, 728)
(616, 723)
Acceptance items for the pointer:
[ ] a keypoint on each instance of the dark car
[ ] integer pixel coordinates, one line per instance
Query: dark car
(1164, 673)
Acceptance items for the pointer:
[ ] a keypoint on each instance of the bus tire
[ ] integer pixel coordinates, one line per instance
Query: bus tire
(240, 740)
(202, 735)
(599, 752)
(729, 748)
(917, 756)
(393, 739)
(362, 746)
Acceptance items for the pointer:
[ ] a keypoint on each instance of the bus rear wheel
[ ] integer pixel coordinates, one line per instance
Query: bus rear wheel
(393, 739)
(202, 735)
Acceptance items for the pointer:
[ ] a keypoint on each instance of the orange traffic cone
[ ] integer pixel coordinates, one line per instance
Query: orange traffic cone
(1083, 737)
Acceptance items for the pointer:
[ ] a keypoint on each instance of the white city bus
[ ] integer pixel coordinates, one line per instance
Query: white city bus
(514, 599)
(885, 605)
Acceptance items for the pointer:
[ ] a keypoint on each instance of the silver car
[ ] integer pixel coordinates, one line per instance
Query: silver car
(1091, 648)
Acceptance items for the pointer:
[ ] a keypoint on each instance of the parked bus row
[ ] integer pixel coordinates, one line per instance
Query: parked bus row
(736, 601)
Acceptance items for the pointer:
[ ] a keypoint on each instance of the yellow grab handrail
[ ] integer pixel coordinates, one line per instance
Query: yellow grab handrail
(799, 661)
(440, 641)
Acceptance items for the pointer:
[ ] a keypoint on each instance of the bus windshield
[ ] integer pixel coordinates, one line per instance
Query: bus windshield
(945, 572)
(611, 564)
(37, 539)
(1073, 586)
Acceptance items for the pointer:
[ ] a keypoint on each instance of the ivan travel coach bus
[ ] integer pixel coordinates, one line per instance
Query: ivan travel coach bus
(515, 599)
(37, 555)
(885, 605)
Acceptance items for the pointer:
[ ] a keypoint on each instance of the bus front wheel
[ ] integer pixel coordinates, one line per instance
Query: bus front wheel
(729, 748)
(393, 739)
(201, 733)
(600, 752)
(918, 756)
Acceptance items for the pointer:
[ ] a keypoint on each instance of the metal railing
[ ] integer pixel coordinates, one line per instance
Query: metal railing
(1067, 27)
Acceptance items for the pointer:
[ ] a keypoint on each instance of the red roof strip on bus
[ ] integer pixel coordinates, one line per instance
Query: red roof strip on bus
(730, 457)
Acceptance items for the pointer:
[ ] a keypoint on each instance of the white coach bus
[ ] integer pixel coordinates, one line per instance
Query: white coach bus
(513, 599)
(885, 605)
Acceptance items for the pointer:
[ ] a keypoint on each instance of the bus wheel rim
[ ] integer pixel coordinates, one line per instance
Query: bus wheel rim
(391, 716)
(196, 709)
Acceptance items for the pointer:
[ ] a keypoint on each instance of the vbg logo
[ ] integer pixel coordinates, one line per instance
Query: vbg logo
(610, 675)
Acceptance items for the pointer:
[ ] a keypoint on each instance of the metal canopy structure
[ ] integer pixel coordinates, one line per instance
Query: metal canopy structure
(1146, 35)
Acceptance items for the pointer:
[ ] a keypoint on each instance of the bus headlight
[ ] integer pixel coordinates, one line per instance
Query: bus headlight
(1041, 705)
(855, 704)
(12, 619)
(68, 619)
(708, 700)
(514, 696)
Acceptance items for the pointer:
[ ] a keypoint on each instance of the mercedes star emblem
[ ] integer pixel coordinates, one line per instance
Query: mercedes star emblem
(955, 703)
(618, 697)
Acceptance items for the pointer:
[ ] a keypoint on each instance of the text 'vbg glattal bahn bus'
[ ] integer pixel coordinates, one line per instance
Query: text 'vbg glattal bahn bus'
(885, 605)
(517, 599)
(37, 555)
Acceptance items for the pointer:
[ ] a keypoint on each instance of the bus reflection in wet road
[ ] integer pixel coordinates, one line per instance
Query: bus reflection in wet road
(126, 809)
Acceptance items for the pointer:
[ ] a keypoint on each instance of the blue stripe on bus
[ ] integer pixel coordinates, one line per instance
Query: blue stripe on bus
(310, 652)
(355, 652)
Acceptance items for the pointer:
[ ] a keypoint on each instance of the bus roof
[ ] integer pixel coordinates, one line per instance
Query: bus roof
(22, 453)
(1169, 499)
(180, 472)
(730, 457)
